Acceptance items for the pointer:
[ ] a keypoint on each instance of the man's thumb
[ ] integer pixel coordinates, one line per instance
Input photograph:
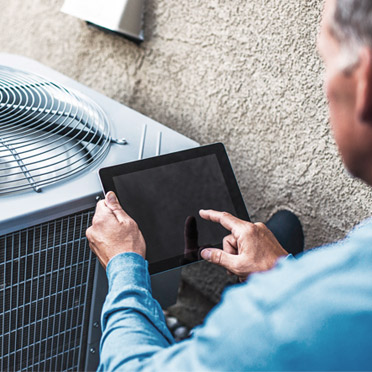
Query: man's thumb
(112, 203)
(218, 257)
(111, 198)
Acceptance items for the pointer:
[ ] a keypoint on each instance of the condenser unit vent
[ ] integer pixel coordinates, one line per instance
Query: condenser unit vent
(47, 132)
(45, 295)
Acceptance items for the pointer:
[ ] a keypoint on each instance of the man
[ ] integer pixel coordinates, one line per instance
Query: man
(314, 313)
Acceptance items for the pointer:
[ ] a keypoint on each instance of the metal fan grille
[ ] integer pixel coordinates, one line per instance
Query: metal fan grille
(47, 132)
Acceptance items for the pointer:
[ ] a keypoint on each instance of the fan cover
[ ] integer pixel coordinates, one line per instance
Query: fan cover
(47, 132)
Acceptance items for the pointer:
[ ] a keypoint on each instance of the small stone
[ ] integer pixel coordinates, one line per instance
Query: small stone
(180, 333)
(172, 322)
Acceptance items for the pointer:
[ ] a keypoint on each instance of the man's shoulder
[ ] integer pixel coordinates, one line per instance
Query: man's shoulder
(331, 271)
(319, 303)
(314, 311)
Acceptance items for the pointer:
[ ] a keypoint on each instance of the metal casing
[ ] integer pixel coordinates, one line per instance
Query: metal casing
(122, 16)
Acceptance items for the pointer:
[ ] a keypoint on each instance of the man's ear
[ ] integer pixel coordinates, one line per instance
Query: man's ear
(364, 86)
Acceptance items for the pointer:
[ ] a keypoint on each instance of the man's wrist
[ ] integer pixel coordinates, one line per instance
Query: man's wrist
(128, 268)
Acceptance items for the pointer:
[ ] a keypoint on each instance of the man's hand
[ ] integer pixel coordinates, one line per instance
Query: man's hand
(113, 231)
(248, 249)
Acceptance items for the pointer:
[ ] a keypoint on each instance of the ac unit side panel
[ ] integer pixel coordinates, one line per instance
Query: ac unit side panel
(46, 286)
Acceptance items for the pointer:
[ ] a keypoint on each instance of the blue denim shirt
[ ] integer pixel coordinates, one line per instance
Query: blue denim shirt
(313, 313)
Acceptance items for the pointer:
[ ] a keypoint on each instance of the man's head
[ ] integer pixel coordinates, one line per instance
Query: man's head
(345, 44)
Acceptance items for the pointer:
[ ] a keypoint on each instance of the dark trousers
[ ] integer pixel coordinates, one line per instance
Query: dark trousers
(287, 228)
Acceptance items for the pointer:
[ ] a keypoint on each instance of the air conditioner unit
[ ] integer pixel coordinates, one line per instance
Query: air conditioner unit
(54, 135)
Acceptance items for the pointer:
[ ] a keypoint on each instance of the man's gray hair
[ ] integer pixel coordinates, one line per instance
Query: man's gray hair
(352, 26)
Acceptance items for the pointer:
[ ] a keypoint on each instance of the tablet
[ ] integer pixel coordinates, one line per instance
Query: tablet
(164, 194)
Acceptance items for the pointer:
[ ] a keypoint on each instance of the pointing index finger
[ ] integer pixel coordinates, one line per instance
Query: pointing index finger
(227, 220)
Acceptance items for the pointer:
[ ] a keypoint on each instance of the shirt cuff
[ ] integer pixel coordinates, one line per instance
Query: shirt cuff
(128, 268)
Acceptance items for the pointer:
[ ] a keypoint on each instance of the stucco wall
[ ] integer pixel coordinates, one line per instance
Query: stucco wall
(242, 72)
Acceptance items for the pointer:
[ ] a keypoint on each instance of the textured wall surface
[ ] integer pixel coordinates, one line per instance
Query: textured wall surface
(242, 72)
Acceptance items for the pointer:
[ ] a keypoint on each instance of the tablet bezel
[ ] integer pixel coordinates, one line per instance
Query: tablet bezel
(107, 174)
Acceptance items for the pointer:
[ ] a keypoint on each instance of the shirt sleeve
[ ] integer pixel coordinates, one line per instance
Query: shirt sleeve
(133, 323)
(135, 336)
(278, 320)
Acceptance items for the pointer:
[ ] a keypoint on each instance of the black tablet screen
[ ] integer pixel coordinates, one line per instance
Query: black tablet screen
(165, 202)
